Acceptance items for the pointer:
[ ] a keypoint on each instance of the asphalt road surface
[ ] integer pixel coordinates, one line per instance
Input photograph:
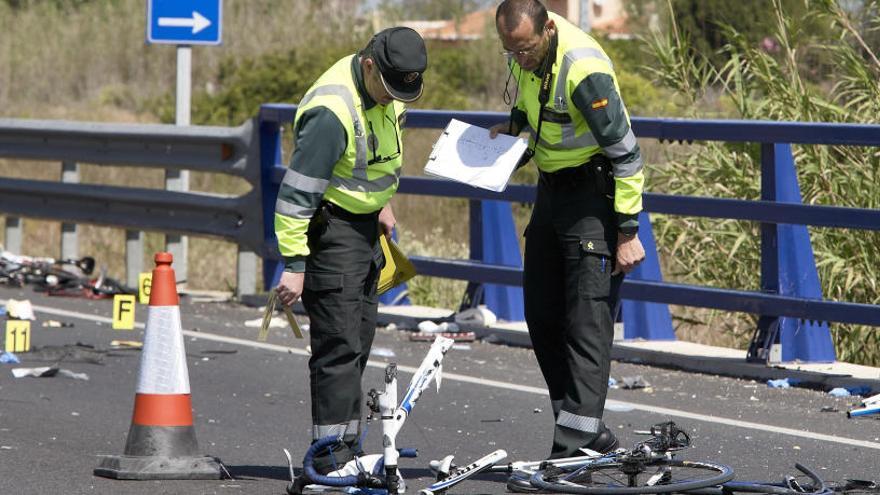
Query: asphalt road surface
(251, 399)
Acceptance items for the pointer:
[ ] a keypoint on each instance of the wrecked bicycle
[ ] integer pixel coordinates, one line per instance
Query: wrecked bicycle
(374, 473)
(649, 467)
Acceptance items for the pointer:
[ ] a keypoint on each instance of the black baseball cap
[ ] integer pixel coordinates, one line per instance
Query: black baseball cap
(401, 57)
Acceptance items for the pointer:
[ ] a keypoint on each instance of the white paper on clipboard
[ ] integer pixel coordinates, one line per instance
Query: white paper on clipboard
(465, 153)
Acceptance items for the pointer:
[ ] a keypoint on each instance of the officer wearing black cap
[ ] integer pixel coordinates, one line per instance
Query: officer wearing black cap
(331, 208)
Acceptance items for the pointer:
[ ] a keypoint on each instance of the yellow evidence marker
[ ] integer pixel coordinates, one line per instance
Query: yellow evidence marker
(145, 281)
(18, 336)
(123, 312)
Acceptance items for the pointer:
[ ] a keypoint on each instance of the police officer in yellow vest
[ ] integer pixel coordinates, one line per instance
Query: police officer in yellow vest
(583, 233)
(331, 206)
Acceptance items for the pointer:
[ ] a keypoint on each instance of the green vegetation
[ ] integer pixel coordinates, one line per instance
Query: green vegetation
(773, 86)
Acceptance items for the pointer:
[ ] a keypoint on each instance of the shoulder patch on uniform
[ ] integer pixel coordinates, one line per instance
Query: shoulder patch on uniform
(600, 103)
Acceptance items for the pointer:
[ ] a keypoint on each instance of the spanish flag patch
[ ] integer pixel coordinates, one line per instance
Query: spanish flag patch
(600, 103)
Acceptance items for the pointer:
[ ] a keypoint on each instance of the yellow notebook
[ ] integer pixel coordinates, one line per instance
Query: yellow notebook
(398, 269)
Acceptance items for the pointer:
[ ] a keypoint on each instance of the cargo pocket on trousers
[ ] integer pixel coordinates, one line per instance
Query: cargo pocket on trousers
(319, 282)
(324, 291)
(594, 277)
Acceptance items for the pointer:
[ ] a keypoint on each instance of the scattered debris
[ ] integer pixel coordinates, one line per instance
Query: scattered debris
(634, 382)
(71, 353)
(220, 351)
(831, 409)
(275, 322)
(612, 383)
(839, 392)
(57, 324)
(382, 352)
(461, 347)
(780, 383)
(429, 337)
(870, 405)
(428, 326)
(48, 371)
(43, 371)
(537, 410)
(20, 310)
(9, 358)
(126, 344)
(479, 316)
(74, 375)
(496, 420)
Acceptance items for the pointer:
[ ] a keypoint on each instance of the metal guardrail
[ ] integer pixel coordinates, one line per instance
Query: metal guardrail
(232, 151)
(252, 152)
(767, 210)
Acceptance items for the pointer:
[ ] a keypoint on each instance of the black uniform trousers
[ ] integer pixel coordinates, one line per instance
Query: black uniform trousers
(570, 297)
(339, 294)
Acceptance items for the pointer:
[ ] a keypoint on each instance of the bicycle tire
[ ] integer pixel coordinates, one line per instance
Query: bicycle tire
(815, 486)
(611, 483)
(754, 487)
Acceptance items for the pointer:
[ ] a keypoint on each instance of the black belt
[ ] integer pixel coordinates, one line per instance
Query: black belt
(597, 170)
(566, 176)
(340, 212)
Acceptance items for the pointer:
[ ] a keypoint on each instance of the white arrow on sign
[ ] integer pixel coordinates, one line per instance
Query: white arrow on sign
(197, 22)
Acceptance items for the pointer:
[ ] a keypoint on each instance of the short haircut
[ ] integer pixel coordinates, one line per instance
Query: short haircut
(512, 12)
(367, 51)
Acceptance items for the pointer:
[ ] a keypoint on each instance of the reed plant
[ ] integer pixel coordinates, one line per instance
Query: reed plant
(770, 82)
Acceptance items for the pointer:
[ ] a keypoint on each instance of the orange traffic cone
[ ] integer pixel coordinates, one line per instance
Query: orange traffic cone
(162, 442)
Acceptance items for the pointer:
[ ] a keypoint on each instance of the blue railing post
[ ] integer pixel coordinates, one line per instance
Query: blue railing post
(642, 319)
(799, 340)
(501, 247)
(493, 241)
(270, 155)
(787, 268)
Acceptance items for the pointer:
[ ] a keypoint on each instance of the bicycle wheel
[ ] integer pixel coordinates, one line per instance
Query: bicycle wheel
(613, 478)
(805, 483)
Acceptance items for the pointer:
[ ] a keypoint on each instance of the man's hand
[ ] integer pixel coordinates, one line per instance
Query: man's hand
(629, 253)
(387, 220)
(290, 287)
(502, 128)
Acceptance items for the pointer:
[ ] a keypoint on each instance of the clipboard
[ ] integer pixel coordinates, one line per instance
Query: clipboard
(465, 153)
(398, 268)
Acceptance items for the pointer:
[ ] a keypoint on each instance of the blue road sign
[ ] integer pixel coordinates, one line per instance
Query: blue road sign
(184, 22)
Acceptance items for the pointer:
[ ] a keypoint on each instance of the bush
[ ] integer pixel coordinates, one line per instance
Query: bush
(773, 86)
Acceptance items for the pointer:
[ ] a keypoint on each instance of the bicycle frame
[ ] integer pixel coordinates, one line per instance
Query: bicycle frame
(666, 438)
(393, 416)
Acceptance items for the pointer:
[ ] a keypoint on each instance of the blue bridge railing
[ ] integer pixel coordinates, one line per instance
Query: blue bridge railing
(772, 211)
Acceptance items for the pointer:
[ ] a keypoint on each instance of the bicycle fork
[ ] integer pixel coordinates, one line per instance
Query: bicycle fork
(392, 421)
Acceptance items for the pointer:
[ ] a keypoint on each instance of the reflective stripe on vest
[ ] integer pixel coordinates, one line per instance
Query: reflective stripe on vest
(359, 172)
(570, 140)
(363, 185)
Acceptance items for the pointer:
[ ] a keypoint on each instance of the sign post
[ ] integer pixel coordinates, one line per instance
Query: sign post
(183, 23)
